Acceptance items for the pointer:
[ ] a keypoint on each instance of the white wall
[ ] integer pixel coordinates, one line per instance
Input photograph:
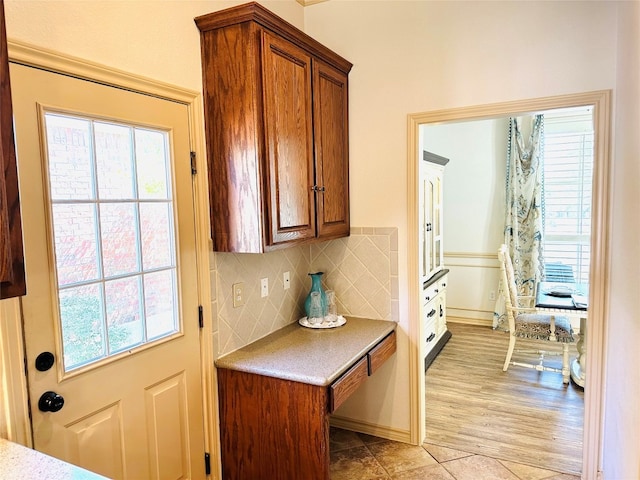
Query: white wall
(417, 56)
(474, 196)
(622, 414)
(474, 182)
(153, 38)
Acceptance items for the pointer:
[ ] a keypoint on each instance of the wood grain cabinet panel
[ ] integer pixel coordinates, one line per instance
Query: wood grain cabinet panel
(276, 121)
(348, 383)
(12, 280)
(272, 428)
(381, 352)
(331, 149)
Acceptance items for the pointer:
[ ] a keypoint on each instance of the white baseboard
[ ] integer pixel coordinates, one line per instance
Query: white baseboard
(371, 429)
(470, 321)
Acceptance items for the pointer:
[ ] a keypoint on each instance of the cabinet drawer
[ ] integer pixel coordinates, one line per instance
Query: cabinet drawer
(430, 292)
(430, 312)
(348, 383)
(430, 334)
(381, 352)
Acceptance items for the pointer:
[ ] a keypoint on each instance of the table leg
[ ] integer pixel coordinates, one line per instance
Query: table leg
(579, 364)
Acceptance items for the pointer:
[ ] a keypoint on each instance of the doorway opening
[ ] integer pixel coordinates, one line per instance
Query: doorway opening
(600, 102)
(474, 195)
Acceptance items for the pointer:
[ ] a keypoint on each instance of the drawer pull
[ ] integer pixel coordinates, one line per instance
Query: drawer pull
(431, 337)
(431, 313)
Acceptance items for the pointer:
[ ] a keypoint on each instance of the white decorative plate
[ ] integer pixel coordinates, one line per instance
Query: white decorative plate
(560, 291)
(328, 322)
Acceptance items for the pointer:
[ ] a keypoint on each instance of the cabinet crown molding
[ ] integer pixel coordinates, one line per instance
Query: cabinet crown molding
(254, 12)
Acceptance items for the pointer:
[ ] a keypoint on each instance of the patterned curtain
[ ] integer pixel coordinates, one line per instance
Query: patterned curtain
(524, 209)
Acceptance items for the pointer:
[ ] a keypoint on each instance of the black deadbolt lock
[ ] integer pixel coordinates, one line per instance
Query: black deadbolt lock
(45, 361)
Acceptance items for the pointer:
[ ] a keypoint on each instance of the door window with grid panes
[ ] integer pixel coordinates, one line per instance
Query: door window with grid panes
(112, 214)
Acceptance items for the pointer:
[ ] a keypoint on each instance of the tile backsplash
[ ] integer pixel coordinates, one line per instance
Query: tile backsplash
(361, 268)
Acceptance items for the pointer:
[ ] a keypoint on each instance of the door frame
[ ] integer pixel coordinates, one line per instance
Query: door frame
(15, 423)
(600, 254)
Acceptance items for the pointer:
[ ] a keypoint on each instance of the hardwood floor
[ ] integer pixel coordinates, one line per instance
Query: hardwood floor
(521, 415)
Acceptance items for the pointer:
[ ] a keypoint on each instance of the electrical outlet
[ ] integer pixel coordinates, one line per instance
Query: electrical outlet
(492, 295)
(264, 287)
(286, 280)
(238, 294)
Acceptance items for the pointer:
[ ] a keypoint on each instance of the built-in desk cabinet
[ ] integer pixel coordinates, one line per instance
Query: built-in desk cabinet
(274, 428)
(12, 280)
(276, 120)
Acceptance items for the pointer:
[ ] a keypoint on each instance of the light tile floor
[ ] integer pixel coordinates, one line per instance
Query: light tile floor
(356, 456)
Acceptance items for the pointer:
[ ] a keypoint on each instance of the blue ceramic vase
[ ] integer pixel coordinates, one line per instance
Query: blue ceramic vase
(316, 286)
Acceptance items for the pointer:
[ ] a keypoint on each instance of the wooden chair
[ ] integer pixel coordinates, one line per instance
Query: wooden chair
(525, 322)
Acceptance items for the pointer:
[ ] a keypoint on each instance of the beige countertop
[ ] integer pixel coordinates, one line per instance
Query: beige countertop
(21, 463)
(307, 355)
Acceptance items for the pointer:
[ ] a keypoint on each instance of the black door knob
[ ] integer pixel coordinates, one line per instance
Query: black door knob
(50, 402)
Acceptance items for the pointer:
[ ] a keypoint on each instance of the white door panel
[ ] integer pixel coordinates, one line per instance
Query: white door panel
(134, 410)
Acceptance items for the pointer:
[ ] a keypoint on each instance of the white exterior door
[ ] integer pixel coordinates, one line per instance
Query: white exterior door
(109, 237)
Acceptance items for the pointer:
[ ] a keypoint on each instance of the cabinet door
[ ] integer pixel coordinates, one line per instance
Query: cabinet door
(436, 252)
(442, 313)
(331, 142)
(429, 325)
(427, 189)
(12, 282)
(289, 175)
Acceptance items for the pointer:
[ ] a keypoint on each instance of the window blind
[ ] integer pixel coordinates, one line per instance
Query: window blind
(568, 172)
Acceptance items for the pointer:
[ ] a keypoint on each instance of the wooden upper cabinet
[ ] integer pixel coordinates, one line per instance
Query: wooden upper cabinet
(276, 120)
(331, 149)
(289, 140)
(12, 281)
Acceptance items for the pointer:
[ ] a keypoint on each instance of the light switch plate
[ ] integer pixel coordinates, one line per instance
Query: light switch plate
(264, 287)
(238, 294)
(286, 280)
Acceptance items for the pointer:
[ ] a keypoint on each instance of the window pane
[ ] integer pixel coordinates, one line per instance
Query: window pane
(82, 318)
(568, 169)
(119, 238)
(157, 234)
(74, 227)
(124, 313)
(114, 161)
(69, 155)
(151, 159)
(160, 303)
(114, 236)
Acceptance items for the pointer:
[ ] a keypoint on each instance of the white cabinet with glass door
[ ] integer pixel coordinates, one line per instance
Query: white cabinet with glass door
(431, 249)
